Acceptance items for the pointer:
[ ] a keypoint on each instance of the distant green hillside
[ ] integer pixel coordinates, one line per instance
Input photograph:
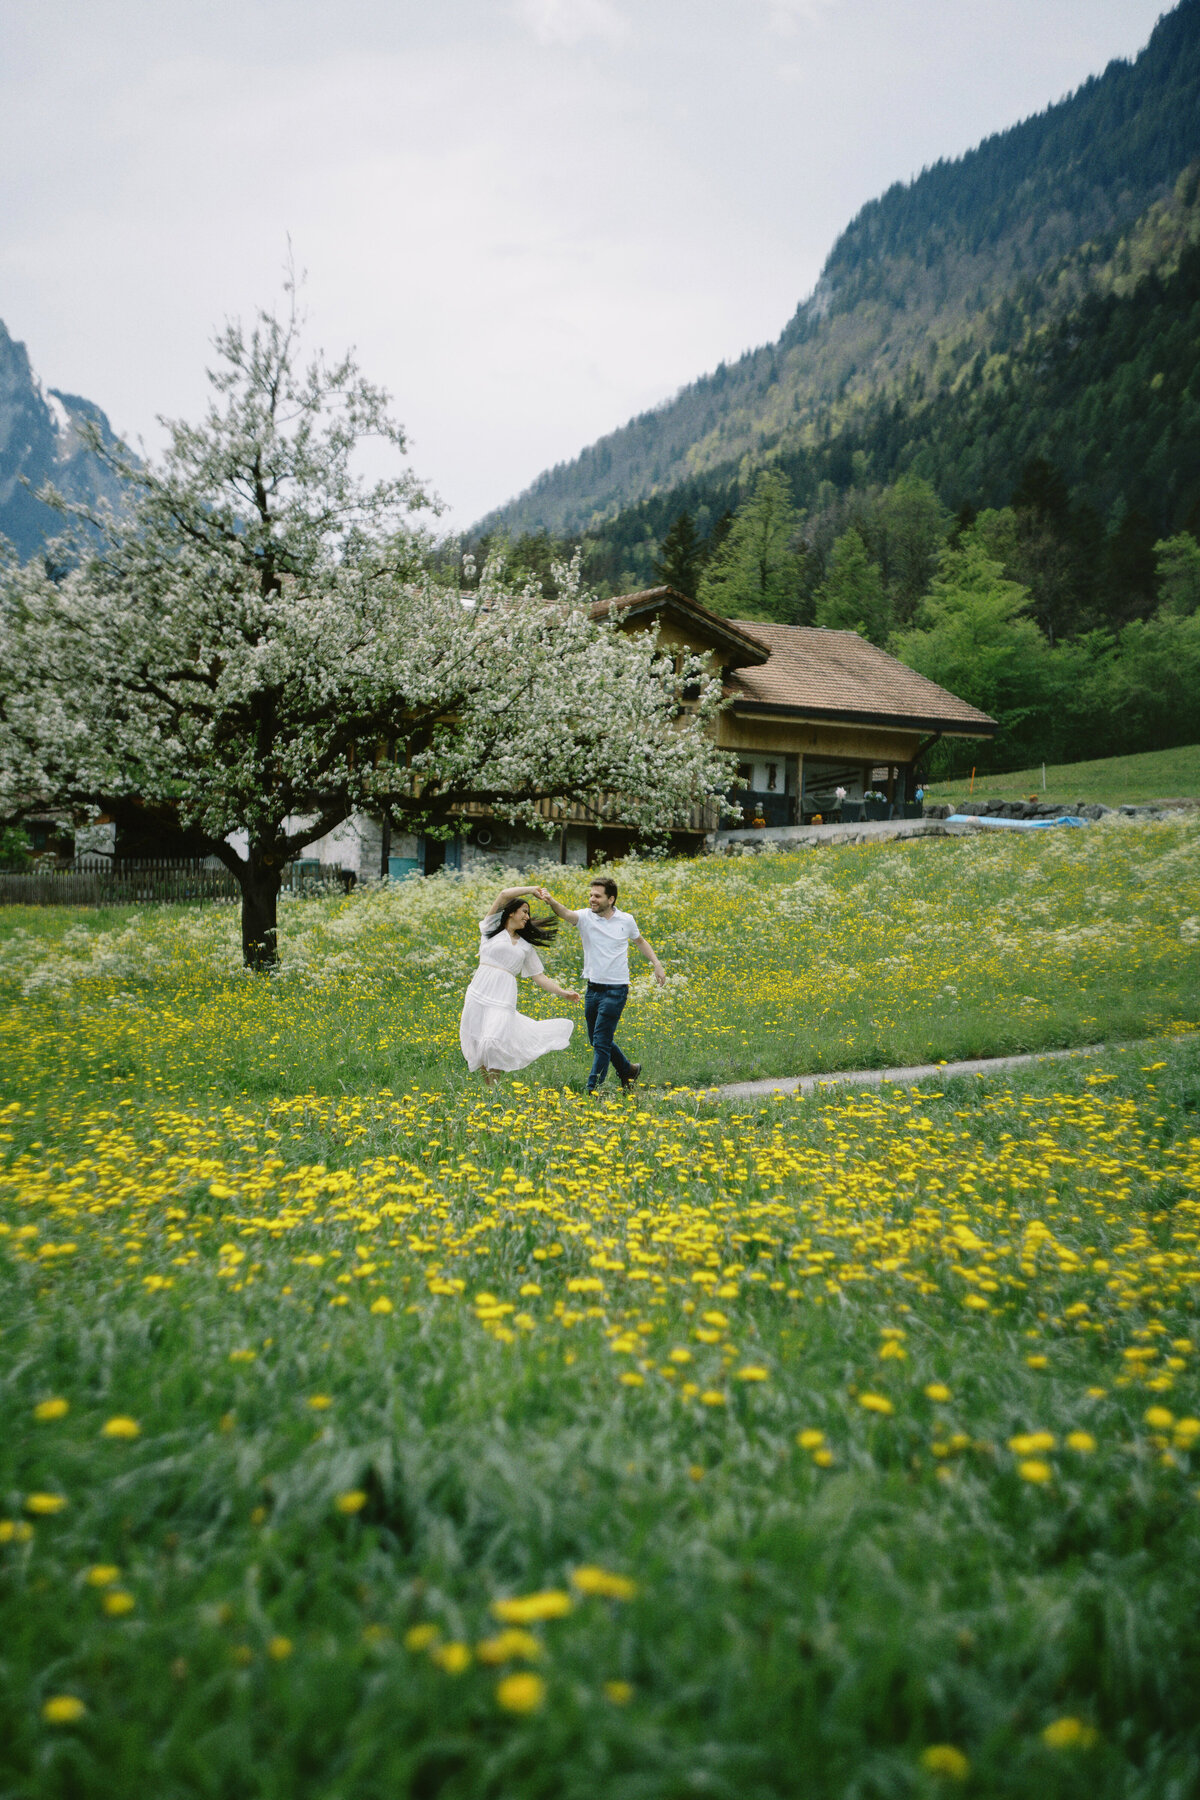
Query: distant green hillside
(1107, 392)
(1113, 780)
(925, 289)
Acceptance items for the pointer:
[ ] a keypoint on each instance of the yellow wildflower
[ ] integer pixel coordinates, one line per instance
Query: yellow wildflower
(51, 1409)
(591, 1580)
(1031, 1443)
(507, 1644)
(530, 1609)
(522, 1693)
(63, 1709)
(945, 1759)
(1068, 1734)
(121, 1427)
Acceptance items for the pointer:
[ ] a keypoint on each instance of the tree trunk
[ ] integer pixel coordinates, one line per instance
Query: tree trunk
(260, 883)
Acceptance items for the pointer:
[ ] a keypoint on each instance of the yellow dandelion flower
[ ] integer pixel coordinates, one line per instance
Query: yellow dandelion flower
(51, 1409)
(320, 1402)
(1031, 1443)
(15, 1531)
(1033, 1469)
(1159, 1418)
(938, 1393)
(117, 1603)
(876, 1403)
(631, 1378)
(453, 1658)
(419, 1637)
(1083, 1441)
(1038, 1362)
(945, 1760)
(382, 1305)
(522, 1693)
(591, 1580)
(810, 1439)
(712, 1397)
(506, 1645)
(121, 1427)
(63, 1709)
(753, 1372)
(279, 1648)
(351, 1502)
(43, 1505)
(1068, 1734)
(619, 1692)
(530, 1609)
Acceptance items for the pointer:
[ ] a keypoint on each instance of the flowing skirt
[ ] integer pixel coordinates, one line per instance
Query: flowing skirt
(494, 1035)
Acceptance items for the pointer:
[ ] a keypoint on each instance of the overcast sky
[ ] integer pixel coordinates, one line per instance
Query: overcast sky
(533, 218)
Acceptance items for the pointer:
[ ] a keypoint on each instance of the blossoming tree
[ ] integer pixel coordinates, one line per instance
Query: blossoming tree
(257, 644)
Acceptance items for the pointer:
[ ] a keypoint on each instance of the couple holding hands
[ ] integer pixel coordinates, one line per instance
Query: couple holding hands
(495, 1037)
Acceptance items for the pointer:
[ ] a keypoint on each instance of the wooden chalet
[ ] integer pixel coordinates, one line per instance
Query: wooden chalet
(809, 710)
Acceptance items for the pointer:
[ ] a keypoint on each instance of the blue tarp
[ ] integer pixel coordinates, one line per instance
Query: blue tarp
(1013, 824)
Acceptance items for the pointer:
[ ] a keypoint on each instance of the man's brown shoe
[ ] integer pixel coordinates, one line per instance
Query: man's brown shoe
(627, 1082)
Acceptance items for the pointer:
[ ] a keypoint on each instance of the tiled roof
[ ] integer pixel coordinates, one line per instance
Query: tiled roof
(841, 675)
(739, 644)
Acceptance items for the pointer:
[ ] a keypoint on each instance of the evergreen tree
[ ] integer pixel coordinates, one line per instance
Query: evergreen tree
(1177, 560)
(681, 557)
(852, 597)
(973, 635)
(755, 574)
(911, 525)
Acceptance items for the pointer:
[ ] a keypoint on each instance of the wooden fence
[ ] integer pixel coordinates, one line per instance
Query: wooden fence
(101, 881)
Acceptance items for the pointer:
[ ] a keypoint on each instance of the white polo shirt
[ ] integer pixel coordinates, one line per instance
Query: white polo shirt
(606, 946)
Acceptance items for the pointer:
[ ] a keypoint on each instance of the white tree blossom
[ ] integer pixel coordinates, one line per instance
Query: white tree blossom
(257, 639)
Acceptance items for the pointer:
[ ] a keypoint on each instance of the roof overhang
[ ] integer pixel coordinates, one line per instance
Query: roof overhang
(738, 648)
(818, 715)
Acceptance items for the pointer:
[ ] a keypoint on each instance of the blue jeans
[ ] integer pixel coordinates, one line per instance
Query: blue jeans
(602, 1007)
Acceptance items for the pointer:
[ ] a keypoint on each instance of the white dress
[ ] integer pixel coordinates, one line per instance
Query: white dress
(493, 1034)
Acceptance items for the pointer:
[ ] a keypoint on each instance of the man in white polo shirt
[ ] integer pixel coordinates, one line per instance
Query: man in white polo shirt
(607, 935)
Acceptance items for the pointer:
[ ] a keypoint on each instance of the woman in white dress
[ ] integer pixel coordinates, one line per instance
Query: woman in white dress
(493, 1034)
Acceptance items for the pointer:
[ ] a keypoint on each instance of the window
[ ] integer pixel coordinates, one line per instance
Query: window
(772, 773)
(746, 773)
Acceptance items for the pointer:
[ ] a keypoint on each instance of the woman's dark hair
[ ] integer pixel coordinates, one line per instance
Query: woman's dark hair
(538, 932)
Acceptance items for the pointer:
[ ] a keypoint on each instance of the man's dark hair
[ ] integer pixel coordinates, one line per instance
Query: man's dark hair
(607, 883)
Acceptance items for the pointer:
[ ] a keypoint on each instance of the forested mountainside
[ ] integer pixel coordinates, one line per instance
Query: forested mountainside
(40, 442)
(920, 286)
(1107, 393)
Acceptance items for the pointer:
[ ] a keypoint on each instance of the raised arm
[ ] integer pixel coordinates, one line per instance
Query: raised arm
(564, 912)
(506, 894)
(643, 944)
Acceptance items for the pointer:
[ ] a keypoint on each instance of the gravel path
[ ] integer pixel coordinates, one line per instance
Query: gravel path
(808, 1084)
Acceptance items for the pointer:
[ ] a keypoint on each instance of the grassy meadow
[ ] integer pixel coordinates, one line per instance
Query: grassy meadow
(1111, 780)
(365, 1434)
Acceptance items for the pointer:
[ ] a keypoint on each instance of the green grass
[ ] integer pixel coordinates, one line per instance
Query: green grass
(1112, 780)
(545, 1334)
